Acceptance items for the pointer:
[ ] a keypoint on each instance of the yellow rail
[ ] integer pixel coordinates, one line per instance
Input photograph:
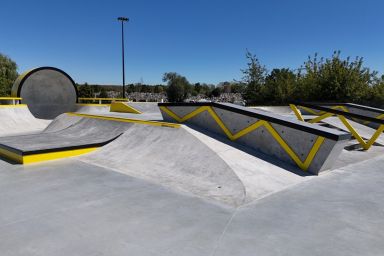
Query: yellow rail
(101, 100)
(15, 100)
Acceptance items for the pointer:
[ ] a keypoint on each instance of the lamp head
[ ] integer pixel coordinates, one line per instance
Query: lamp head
(122, 19)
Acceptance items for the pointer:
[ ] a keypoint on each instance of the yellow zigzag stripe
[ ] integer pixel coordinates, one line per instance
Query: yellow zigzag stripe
(365, 144)
(303, 165)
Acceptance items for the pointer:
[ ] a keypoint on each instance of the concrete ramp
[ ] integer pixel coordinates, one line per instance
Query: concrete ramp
(17, 119)
(145, 107)
(189, 161)
(174, 158)
(281, 110)
(123, 107)
(97, 109)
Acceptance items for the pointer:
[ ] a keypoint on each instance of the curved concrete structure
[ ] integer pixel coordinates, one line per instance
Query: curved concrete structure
(47, 91)
(17, 119)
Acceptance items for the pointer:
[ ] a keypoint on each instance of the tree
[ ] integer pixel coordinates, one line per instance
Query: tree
(337, 79)
(103, 93)
(217, 91)
(8, 74)
(85, 91)
(178, 87)
(280, 86)
(254, 78)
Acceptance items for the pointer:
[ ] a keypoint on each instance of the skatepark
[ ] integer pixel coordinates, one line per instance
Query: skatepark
(85, 177)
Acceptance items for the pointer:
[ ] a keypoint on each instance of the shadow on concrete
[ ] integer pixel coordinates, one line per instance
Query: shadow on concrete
(270, 159)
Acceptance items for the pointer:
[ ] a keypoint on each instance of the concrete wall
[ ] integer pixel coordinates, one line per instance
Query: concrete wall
(299, 136)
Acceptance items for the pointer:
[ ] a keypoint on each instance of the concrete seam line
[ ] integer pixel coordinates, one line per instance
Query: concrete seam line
(223, 233)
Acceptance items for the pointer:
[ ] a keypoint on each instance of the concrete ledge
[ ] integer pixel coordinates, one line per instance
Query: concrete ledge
(349, 110)
(313, 148)
(363, 111)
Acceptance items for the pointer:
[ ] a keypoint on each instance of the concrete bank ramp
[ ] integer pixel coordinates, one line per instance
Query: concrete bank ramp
(173, 158)
(281, 110)
(186, 160)
(148, 110)
(63, 138)
(92, 108)
(145, 107)
(17, 119)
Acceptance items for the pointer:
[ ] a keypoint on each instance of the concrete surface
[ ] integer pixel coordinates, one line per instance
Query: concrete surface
(69, 207)
(281, 110)
(16, 120)
(173, 158)
(47, 91)
(150, 111)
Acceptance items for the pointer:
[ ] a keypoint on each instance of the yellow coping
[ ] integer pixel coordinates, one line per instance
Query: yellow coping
(366, 144)
(303, 165)
(127, 120)
(35, 158)
(103, 99)
(93, 105)
(14, 106)
(10, 98)
(123, 107)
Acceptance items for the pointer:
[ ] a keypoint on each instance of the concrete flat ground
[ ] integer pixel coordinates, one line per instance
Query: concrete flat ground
(69, 207)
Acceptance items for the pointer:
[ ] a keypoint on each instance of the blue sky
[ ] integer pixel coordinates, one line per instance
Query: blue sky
(202, 40)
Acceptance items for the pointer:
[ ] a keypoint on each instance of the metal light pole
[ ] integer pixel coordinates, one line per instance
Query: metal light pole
(123, 19)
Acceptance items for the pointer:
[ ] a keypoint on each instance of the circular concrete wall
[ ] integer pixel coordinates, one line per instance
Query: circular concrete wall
(47, 91)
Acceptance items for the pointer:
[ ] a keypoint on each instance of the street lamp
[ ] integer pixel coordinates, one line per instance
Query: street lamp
(123, 19)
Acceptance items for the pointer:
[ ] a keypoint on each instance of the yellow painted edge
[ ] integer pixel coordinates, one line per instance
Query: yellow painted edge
(103, 99)
(14, 106)
(35, 158)
(93, 105)
(29, 159)
(123, 107)
(127, 120)
(10, 98)
(303, 165)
